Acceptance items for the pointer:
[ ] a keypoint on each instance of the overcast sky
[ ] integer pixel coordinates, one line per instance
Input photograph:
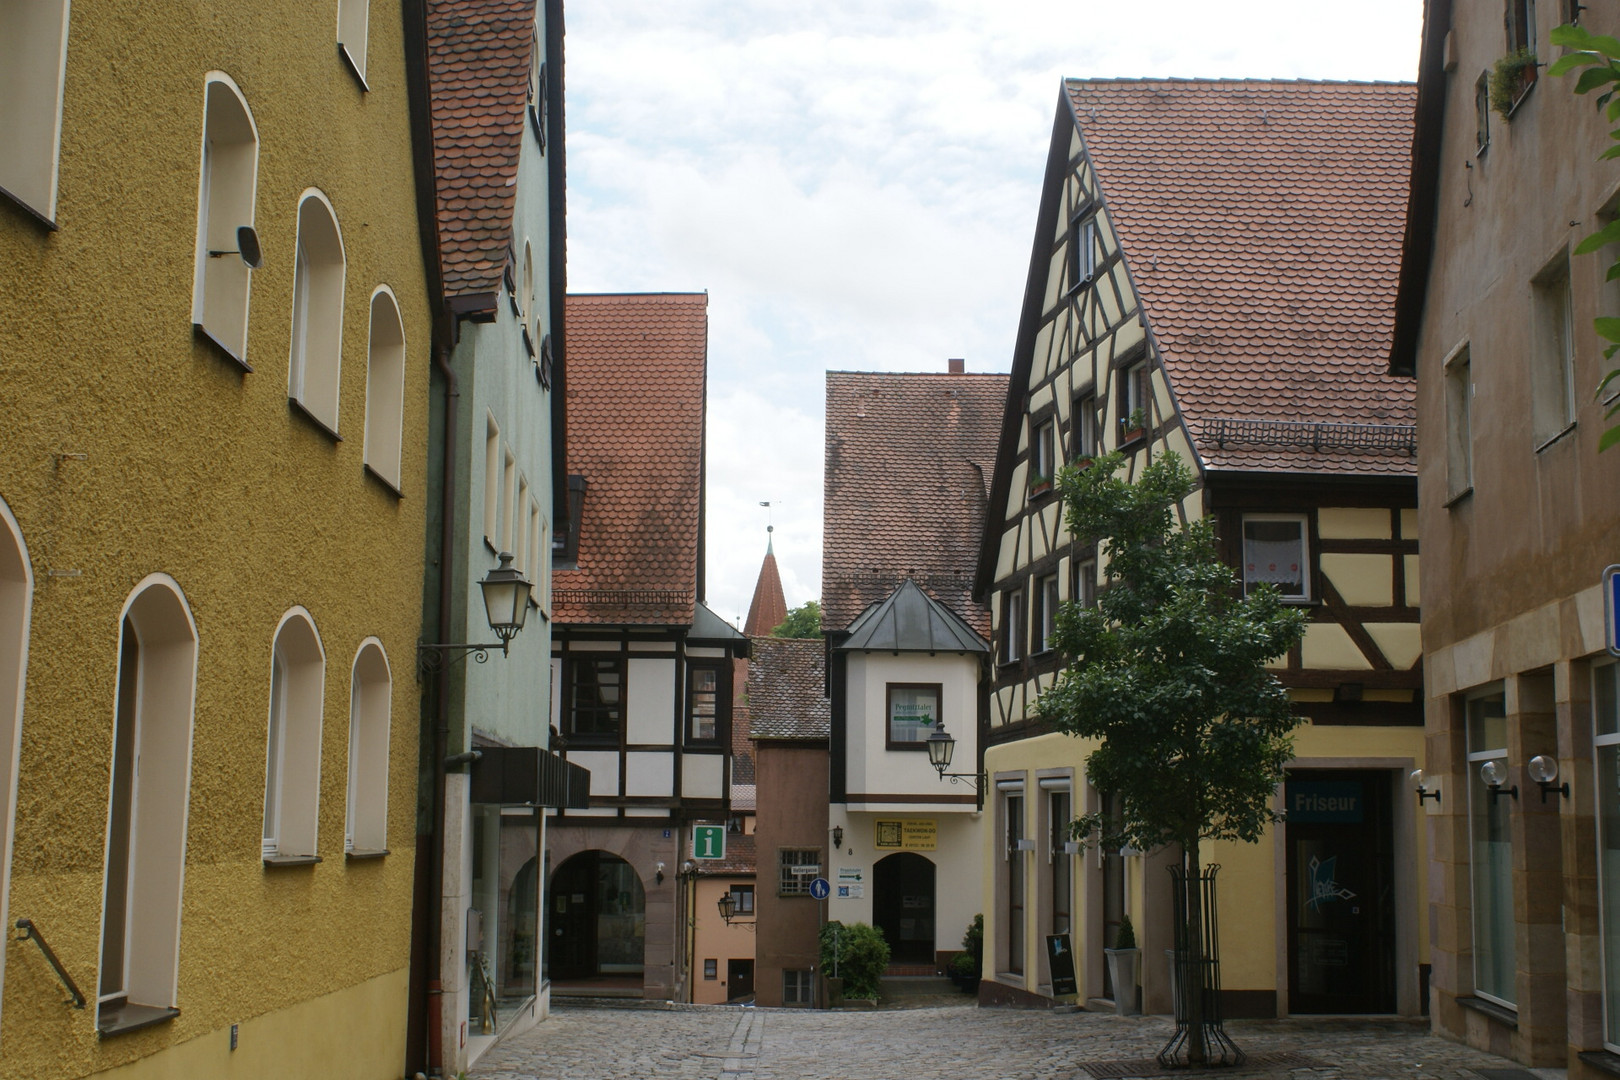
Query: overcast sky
(854, 184)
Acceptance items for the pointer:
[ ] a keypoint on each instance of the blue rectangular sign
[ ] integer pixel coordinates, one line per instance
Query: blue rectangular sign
(1611, 607)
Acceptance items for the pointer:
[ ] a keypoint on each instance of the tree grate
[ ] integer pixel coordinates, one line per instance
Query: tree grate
(1114, 1070)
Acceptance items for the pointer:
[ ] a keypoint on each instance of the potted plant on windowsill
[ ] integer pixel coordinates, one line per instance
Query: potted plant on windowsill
(1511, 78)
(1039, 484)
(1124, 963)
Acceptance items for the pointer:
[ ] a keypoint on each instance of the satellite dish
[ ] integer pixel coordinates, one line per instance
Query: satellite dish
(247, 246)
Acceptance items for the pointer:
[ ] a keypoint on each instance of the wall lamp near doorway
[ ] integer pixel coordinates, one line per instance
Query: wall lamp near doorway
(1544, 770)
(1420, 784)
(941, 748)
(506, 605)
(1494, 776)
(838, 837)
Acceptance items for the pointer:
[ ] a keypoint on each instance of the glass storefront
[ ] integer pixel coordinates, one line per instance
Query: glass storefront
(1491, 852)
(502, 928)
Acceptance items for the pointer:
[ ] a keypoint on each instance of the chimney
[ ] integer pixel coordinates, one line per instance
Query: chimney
(956, 367)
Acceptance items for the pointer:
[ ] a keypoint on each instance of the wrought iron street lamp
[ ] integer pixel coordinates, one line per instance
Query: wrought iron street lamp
(728, 906)
(506, 606)
(941, 748)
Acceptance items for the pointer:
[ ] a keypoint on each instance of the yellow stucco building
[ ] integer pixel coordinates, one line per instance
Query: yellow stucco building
(214, 328)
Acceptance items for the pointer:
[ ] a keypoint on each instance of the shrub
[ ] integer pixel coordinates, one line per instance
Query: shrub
(1125, 936)
(862, 956)
(973, 942)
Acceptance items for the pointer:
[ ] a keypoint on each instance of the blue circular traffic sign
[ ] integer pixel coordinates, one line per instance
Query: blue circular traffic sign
(819, 889)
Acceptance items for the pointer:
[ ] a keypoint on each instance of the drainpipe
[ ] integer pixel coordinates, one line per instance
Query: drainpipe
(441, 719)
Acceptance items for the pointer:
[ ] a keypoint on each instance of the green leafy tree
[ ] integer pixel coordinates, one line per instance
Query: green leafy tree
(858, 953)
(1599, 57)
(1168, 673)
(803, 621)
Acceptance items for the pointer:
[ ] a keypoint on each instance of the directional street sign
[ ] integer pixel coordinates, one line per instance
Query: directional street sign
(819, 889)
(708, 841)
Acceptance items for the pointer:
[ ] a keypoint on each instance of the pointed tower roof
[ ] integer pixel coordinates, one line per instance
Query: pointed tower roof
(769, 606)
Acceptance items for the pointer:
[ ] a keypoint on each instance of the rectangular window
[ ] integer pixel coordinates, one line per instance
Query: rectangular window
(1482, 113)
(508, 500)
(33, 57)
(1043, 455)
(1521, 28)
(706, 701)
(595, 698)
(535, 569)
(1058, 812)
(1552, 353)
(913, 711)
(1046, 609)
(1082, 251)
(492, 482)
(796, 869)
(1276, 552)
(520, 545)
(1606, 741)
(1012, 626)
(711, 969)
(1459, 425)
(796, 989)
(1085, 583)
(1084, 428)
(1490, 852)
(1133, 402)
(742, 898)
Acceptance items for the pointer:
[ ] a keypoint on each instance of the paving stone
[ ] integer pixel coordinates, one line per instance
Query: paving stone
(952, 1041)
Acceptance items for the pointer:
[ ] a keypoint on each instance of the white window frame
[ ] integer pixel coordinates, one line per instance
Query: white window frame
(227, 199)
(371, 682)
(1135, 394)
(1552, 352)
(33, 74)
(385, 389)
(1047, 597)
(292, 771)
(1084, 429)
(538, 550)
(1012, 625)
(1043, 452)
(16, 608)
(1472, 784)
(509, 487)
(315, 361)
(353, 32)
(492, 481)
(1306, 594)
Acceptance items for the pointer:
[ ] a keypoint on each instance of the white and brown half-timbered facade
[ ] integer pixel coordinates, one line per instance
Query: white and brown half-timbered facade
(642, 669)
(1211, 277)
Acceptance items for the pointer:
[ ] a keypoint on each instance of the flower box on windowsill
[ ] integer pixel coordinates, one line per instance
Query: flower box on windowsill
(1132, 435)
(1040, 485)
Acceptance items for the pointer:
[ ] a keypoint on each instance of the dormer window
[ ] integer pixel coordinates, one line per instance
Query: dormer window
(913, 714)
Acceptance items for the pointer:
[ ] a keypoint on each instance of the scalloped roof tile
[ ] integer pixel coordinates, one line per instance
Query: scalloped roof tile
(786, 689)
(1261, 222)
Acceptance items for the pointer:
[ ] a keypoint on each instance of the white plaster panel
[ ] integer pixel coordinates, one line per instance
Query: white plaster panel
(1352, 523)
(1005, 554)
(646, 812)
(650, 702)
(875, 770)
(1043, 339)
(649, 773)
(706, 653)
(1327, 645)
(1128, 334)
(593, 646)
(702, 776)
(1362, 580)
(604, 767)
(1413, 593)
(1401, 643)
(1409, 524)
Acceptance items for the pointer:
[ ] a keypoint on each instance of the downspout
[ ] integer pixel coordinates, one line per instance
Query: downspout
(441, 719)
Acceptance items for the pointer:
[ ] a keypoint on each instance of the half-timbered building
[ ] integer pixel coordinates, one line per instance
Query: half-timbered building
(642, 669)
(1211, 277)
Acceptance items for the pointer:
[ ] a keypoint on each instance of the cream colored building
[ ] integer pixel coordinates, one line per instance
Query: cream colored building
(214, 327)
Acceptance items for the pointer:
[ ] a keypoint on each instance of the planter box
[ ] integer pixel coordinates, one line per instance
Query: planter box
(1124, 965)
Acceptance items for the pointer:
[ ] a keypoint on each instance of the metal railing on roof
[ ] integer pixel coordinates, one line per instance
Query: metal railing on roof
(620, 597)
(1374, 438)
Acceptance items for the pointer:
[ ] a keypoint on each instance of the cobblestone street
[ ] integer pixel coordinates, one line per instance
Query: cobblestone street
(956, 1042)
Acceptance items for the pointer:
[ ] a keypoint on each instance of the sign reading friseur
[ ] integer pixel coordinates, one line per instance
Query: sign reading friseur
(914, 834)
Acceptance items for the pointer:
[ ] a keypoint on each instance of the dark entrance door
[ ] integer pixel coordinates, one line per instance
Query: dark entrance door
(739, 979)
(598, 911)
(903, 906)
(1341, 903)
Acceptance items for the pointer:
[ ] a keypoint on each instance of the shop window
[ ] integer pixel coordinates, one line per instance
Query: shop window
(1459, 425)
(707, 701)
(146, 816)
(492, 482)
(1043, 455)
(711, 970)
(317, 325)
(1606, 732)
(796, 869)
(1012, 626)
(1552, 353)
(1490, 851)
(913, 714)
(1134, 414)
(370, 704)
(1044, 624)
(742, 898)
(352, 31)
(1058, 814)
(293, 746)
(595, 699)
(1084, 428)
(1276, 551)
(1016, 886)
(16, 604)
(385, 388)
(225, 206)
(796, 989)
(33, 62)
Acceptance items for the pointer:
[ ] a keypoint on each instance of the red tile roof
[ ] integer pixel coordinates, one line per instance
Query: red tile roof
(478, 75)
(637, 365)
(769, 606)
(1262, 222)
(786, 686)
(908, 460)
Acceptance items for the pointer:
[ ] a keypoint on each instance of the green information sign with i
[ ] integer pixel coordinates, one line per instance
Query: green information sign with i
(708, 841)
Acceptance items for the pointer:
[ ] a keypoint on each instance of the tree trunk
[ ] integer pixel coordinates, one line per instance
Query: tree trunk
(1193, 982)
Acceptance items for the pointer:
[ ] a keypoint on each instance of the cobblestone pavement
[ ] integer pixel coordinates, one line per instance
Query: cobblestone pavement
(953, 1042)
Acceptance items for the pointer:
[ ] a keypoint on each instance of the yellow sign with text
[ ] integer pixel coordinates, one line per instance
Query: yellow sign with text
(908, 834)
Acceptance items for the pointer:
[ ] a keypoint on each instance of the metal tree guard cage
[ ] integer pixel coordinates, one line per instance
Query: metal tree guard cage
(1202, 978)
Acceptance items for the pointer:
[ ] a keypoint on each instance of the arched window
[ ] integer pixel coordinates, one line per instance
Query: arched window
(370, 698)
(225, 200)
(292, 771)
(352, 31)
(317, 322)
(146, 816)
(33, 58)
(385, 388)
(16, 602)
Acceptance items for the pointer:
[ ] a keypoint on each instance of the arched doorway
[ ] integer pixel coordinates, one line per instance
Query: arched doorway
(598, 919)
(903, 906)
